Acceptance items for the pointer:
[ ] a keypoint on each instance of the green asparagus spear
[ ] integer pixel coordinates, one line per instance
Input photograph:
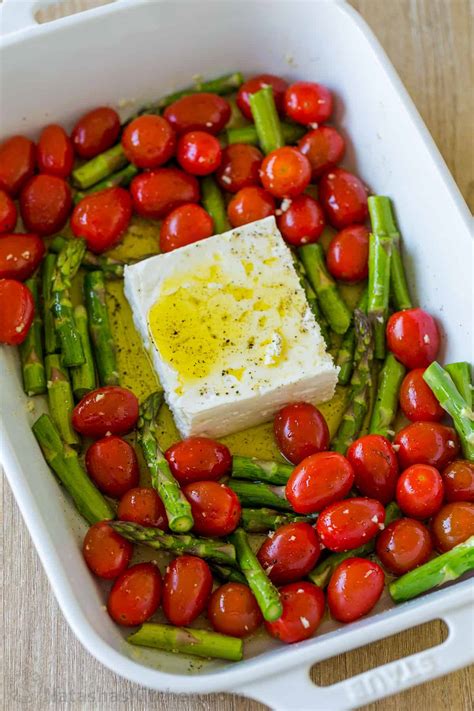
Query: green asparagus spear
(461, 376)
(64, 461)
(260, 470)
(292, 132)
(215, 550)
(178, 508)
(68, 262)
(452, 401)
(261, 495)
(446, 567)
(31, 350)
(267, 121)
(331, 302)
(265, 592)
(51, 338)
(112, 268)
(83, 376)
(228, 574)
(121, 178)
(214, 204)
(264, 520)
(380, 249)
(186, 640)
(222, 85)
(386, 402)
(100, 330)
(345, 355)
(60, 400)
(312, 300)
(100, 167)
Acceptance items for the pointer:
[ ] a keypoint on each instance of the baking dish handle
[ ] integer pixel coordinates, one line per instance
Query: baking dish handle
(17, 15)
(294, 690)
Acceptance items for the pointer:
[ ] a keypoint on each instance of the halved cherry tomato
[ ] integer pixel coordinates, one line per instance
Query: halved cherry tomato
(307, 102)
(303, 609)
(251, 86)
(143, 505)
(458, 479)
(95, 132)
(105, 411)
(300, 430)
(149, 141)
(135, 595)
(17, 309)
(55, 152)
(8, 212)
(186, 589)
(198, 112)
(319, 480)
(199, 153)
(158, 192)
(426, 443)
(112, 464)
(417, 400)
(452, 525)
(348, 254)
(45, 203)
(198, 459)
(239, 168)
(324, 147)
(250, 204)
(302, 222)
(215, 508)
(289, 553)
(413, 337)
(343, 197)
(20, 254)
(17, 163)
(285, 172)
(403, 545)
(420, 491)
(106, 553)
(184, 225)
(375, 467)
(355, 587)
(233, 610)
(102, 218)
(349, 524)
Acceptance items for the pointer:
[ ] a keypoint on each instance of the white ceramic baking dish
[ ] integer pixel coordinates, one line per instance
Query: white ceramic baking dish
(141, 50)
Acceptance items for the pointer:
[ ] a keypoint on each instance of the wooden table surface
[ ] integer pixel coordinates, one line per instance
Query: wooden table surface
(45, 667)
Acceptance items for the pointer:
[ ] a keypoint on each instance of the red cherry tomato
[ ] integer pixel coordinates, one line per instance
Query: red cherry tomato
(158, 192)
(375, 467)
(149, 141)
(45, 203)
(319, 480)
(303, 610)
(105, 411)
(112, 464)
(17, 309)
(186, 590)
(250, 204)
(289, 553)
(233, 610)
(355, 587)
(452, 525)
(239, 168)
(300, 430)
(458, 479)
(348, 254)
(55, 152)
(19, 255)
(343, 197)
(184, 225)
(420, 491)
(303, 221)
(413, 337)
(285, 172)
(199, 153)
(417, 400)
(307, 102)
(349, 524)
(95, 132)
(251, 86)
(405, 544)
(143, 505)
(198, 112)
(106, 553)
(324, 147)
(102, 218)
(426, 443)
(135, 595)
(8, 213)
(17, 163)
(198, 459)
(215, 508)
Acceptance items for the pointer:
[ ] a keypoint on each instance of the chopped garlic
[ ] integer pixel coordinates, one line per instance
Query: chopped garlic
(305, 622)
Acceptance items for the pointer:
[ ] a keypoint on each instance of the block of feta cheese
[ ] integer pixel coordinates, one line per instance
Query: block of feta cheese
(229, 330)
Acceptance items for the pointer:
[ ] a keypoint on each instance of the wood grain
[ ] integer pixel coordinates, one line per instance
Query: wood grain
(44, 666)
